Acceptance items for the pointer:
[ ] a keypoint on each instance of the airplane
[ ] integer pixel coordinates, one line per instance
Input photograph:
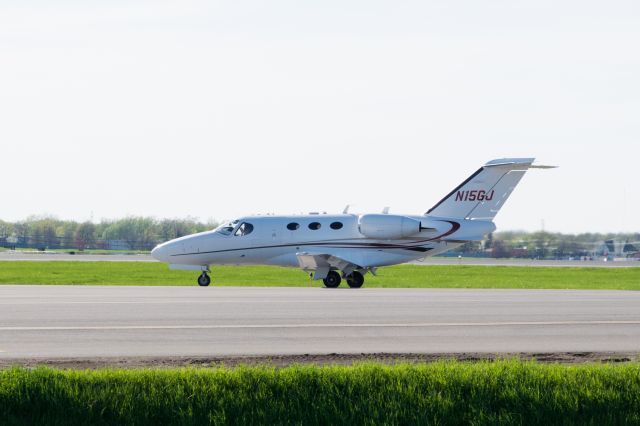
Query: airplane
(348, 246)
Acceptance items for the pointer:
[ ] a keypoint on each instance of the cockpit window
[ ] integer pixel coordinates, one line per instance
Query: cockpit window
(244, 229)
(226, 228)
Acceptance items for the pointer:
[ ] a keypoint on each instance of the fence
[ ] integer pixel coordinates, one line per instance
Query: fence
(41, 242)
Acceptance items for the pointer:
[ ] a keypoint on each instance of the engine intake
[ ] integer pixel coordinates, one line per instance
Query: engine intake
(387, 227)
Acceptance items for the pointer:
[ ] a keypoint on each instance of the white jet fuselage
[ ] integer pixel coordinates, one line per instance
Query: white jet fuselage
(281, 240)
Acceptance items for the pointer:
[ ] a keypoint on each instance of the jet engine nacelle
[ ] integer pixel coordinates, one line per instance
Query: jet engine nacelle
(387, 227)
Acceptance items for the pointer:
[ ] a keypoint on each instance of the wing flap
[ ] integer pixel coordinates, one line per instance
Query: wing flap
(321, 263)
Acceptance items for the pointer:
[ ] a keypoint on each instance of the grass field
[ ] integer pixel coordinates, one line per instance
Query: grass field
(443, 393)
(455, 276)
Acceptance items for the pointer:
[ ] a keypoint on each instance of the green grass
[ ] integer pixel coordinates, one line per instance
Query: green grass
(443, 393)
(454, 276)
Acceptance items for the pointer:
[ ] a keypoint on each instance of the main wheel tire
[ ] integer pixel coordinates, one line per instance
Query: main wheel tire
(333, 279)
(355, 279)
(204, 280)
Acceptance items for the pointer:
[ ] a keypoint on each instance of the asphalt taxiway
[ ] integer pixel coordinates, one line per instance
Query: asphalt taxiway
(94, 321)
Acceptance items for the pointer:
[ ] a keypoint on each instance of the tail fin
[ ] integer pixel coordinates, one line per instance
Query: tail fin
(482, 195)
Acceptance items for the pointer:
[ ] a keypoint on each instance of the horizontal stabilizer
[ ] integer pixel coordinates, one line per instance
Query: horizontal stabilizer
(539, 166)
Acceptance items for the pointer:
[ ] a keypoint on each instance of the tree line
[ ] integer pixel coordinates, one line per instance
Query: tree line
(130, 233)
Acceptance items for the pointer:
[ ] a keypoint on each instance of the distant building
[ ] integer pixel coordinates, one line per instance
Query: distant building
(611, 249)
(117, 245)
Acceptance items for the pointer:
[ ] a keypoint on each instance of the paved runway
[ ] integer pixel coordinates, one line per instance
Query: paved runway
(92, 321)
(57, 256)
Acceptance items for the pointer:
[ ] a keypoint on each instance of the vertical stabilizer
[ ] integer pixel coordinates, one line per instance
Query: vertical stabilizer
(482, 195)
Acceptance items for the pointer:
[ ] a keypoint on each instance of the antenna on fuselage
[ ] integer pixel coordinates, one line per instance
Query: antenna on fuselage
(346, 209)
(385, 210)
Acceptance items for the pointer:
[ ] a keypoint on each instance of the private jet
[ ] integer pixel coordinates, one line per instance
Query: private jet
(348, 246)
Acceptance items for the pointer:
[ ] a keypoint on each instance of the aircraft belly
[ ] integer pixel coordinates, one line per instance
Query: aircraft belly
(192, 259)
(365, 258)
(386, 258)
(443, 247)
(286, 259)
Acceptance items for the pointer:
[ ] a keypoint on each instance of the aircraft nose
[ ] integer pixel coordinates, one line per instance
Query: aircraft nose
(160, 253)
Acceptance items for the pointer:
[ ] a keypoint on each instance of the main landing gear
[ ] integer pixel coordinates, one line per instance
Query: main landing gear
(332, 280)
(354, 279)
(204, 279)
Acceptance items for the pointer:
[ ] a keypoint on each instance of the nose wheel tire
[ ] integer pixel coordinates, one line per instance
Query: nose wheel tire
(355, 279)
(204, 280)
(333, 279)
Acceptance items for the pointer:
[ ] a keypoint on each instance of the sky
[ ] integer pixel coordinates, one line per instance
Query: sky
(218, 109)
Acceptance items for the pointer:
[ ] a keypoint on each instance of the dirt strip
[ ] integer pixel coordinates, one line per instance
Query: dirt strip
(322, 359)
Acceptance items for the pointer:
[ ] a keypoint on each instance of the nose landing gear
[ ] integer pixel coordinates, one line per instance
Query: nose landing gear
(204, 279)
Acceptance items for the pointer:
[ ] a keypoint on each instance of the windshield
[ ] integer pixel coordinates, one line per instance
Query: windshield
(227, 228)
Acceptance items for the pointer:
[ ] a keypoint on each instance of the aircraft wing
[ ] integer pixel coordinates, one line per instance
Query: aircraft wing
(322, 263)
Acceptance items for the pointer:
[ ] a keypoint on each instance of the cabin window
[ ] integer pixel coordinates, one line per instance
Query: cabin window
(336, 225)
(314, 226)
(293, 226)
(245, 228)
